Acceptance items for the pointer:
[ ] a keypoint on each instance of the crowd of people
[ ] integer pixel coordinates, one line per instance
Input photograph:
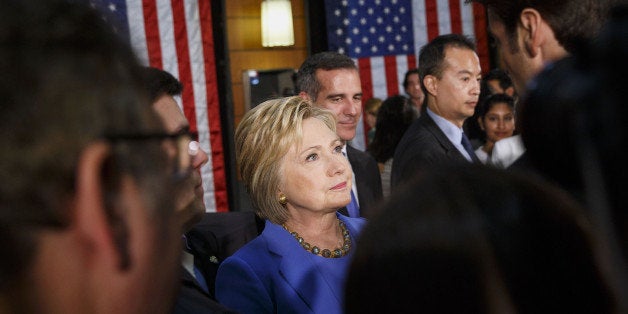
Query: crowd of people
(494, 194)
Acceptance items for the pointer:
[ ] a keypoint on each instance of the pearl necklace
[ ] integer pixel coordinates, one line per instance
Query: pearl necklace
(337, 252)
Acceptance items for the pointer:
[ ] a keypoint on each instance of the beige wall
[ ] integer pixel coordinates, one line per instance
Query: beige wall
(245, 45)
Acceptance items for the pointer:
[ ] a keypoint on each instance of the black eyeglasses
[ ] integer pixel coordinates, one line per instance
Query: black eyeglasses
(186, 148)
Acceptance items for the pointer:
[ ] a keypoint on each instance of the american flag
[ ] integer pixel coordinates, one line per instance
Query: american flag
(176, 36)
(384, 38)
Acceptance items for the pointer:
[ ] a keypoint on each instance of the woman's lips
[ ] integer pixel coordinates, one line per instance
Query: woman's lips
(339, 186)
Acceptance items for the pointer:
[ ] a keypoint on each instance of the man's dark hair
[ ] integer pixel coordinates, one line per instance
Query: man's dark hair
(405, 78)
(570, 20)
(327, 60)
(158, 82)
(393, 118)
(432, 55)
(501, 76)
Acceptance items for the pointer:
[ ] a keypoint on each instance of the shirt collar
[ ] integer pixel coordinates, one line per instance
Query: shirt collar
(453, 132)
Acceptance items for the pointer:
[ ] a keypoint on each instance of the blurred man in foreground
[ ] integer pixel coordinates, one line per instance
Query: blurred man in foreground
(86, 217)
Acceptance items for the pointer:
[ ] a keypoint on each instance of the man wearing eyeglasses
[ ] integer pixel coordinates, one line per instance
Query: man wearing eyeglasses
(86, 220)
(196, 294)
(162, 88)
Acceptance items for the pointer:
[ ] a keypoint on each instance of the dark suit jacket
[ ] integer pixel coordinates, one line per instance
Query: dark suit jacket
(193, 299)
(423, 144)
(367, 179)
(216, 237)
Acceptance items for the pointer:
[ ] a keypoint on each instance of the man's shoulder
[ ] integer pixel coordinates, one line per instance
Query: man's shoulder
(192, 300)
(355, 154)
(420, 136)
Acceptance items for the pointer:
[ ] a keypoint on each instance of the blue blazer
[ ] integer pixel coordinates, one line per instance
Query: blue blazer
(274, 274)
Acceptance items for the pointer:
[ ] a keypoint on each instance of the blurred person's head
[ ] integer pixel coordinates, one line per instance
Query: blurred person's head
(162, 88)
(394, 117)
(371, 107)
(474, 239)
(528, 34)
(450, 76)
(412, 87)
(288, 155)
(86, 223)
(498, 82)
(331, 80)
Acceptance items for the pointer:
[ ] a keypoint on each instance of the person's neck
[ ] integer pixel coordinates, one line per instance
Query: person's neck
(488, 147)
(324, 232)
(433, 107)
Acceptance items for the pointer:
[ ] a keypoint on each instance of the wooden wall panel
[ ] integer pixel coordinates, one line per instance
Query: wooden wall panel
(264, 60)
(243, 30)
(245, 34)
(243, 8)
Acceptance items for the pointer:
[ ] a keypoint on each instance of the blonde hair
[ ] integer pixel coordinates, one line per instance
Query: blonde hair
(372, 105)
(263, 138)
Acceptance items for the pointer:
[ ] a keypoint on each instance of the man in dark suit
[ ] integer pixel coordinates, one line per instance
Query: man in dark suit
(332, 81)
(450, 78)
(196, 294)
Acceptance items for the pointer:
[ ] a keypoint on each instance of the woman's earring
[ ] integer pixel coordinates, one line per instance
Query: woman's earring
(283, 200)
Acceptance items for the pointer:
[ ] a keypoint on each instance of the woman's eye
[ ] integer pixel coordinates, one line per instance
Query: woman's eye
(311, 157)
(338, 149)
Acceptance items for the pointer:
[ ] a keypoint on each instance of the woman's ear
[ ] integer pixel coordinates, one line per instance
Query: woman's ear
(481, 123)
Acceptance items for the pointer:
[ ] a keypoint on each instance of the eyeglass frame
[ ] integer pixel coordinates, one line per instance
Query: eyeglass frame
(183, 166)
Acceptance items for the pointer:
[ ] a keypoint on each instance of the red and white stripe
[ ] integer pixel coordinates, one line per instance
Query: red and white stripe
(176, 36)
(436, 17)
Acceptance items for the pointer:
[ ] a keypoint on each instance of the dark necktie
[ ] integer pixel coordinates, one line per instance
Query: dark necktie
(467, 146)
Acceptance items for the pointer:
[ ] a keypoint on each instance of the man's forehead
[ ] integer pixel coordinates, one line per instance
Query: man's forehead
(170, 113)
(328, 73)
(333, 80)
(451, 52)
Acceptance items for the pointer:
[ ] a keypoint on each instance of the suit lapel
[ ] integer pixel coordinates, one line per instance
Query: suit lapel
(189, 280)
(443, 140)
(298, 269)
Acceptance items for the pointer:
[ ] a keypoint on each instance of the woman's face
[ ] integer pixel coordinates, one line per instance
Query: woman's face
(498, 122)
(316, 176)
(371, 119)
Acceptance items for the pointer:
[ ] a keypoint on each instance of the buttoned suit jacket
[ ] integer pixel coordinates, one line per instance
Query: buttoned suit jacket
(424, 144)
(274, 274)
(217, 236)
(367, 179)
